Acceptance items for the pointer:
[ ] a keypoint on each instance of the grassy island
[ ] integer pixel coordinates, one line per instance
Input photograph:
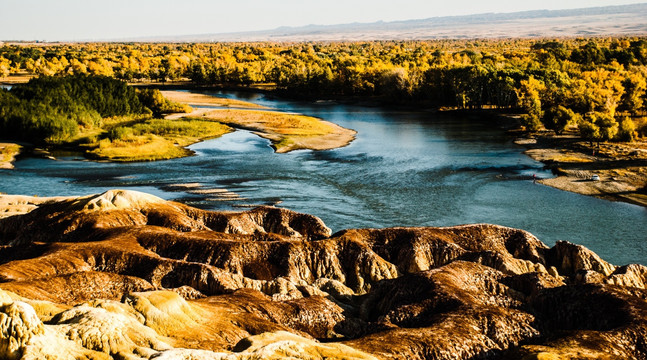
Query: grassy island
(286, 131)
(108, 120)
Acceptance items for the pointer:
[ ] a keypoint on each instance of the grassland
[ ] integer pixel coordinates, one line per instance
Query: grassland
(154, 139)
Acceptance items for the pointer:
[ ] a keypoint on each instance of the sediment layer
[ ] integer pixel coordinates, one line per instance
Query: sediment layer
(126, 275)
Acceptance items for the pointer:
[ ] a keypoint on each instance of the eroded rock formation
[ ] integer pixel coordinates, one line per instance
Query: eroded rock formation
(126, 275)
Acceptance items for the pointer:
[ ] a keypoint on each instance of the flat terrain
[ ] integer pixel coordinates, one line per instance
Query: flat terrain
(621, 167)
(194, 99)
(625, 20)
(287, 132)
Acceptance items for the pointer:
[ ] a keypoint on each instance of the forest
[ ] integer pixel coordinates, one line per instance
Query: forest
(596, 86)
(53, 110)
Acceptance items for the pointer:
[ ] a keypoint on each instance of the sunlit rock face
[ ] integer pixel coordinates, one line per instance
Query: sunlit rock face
(126, 275)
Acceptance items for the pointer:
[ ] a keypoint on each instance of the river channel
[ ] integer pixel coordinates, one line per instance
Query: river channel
(406, 168)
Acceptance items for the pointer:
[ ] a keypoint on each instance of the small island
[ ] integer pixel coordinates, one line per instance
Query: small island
(105, 119)
(286, 131)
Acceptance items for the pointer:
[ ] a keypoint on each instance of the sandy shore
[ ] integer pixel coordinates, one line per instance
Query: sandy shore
(194, 99)
(21, 204)
(8, 153)
(621, 167)
(287, 132)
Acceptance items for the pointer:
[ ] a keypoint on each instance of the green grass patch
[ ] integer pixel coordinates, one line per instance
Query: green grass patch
(183, 131)
(154, 139)
(137, 148)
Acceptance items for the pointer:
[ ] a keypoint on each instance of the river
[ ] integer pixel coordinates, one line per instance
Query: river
(406, 168)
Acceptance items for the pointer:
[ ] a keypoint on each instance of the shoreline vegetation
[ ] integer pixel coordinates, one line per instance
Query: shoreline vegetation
(620, 167)
(155, 125)
(592, 89)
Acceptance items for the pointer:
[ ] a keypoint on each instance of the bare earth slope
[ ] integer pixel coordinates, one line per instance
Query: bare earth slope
(126, 275)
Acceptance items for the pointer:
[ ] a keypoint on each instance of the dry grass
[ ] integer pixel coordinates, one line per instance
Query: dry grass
(570, 158)
(286, 131)
(8, 152)
(19, 78)
(138, 148)
(276, 122)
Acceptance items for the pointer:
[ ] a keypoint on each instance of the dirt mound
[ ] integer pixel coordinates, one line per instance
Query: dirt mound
(128, 275)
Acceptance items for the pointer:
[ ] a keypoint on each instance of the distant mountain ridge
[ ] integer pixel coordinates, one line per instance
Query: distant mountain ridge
(595, 21)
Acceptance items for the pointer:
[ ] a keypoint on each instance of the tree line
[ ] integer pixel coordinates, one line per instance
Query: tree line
(51, 109)
(597, 85)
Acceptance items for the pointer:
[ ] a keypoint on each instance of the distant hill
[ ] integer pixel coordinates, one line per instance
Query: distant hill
(596, 21)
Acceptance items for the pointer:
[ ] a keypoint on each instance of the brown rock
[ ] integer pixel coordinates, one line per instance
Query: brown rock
(128, 275)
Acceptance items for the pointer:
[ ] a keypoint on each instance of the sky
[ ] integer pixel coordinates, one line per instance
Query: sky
(82, 20)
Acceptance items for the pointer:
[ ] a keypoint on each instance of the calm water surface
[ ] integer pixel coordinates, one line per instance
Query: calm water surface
(406, 168)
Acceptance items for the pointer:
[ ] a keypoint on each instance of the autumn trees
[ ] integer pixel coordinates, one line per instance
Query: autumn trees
(54, 109)
(595, 85)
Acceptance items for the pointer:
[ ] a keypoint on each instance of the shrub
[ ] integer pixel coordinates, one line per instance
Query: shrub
(120, 133)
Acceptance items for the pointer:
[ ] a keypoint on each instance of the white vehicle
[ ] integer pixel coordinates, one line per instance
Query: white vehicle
(595, 178)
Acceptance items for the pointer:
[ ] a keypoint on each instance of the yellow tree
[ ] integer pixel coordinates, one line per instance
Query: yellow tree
(635, 86)
(5, 67)
(530, 101)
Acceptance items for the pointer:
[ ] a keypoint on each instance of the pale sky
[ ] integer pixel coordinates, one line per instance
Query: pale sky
(61, 20)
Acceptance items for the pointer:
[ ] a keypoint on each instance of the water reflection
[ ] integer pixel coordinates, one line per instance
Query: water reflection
(405, 168)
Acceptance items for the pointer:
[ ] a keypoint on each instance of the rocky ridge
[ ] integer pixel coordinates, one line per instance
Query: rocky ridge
(126, 275)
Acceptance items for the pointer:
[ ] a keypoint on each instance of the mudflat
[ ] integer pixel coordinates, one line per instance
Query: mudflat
(620, 167)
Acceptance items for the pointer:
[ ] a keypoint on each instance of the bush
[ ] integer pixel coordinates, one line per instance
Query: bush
(153, 100)
(120, 133)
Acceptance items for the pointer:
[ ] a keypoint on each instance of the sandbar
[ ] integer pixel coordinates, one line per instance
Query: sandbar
(621, 167)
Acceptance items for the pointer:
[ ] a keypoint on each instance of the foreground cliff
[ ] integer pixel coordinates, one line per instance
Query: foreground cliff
(126, 275)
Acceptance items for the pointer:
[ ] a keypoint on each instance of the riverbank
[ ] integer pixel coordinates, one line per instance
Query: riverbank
(286, 131)
(621, 167)
(170, 281)
(195, 99)
(8, 153)
(11, 205)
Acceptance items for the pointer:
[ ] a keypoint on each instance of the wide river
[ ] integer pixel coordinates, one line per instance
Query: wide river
(406, 168)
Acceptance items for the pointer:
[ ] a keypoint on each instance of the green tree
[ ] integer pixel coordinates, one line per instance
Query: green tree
(559, 118)
(598, 126)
